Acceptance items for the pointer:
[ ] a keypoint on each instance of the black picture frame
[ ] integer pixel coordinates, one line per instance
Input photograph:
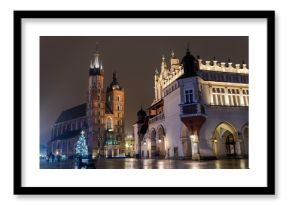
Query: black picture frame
(268, 190)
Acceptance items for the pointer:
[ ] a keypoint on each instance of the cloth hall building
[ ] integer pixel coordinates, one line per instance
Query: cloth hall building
(200, 110)
(101, 117)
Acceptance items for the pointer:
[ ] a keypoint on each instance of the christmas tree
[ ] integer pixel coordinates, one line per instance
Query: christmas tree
(81, 146)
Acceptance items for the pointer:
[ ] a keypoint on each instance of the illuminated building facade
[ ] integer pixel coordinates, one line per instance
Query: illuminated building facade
(101, 117)
(199, 111)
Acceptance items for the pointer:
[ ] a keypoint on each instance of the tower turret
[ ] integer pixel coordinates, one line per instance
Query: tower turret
(190, 64)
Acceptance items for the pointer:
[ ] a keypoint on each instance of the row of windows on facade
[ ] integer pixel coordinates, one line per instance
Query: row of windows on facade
(109, 123)
(222, 96)
(101, 113)
(118, 98)
(230, 96)
(60, 129)
(64, 146)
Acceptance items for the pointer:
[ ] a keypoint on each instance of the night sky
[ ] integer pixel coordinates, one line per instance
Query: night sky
(64, 65)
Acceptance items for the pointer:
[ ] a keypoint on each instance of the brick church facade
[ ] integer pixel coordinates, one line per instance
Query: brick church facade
(101, 117)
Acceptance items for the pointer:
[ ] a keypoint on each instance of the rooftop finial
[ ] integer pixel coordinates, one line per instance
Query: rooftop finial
(163, 58)
(156, 71)
(172, 53)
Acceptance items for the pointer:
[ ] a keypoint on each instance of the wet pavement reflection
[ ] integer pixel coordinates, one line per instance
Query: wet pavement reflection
(131, 163)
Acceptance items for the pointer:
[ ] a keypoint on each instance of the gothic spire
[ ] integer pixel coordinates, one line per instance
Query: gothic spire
(96, 61)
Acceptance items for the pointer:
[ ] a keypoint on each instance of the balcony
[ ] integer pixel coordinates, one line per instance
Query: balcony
(191, 110)
(157, 118)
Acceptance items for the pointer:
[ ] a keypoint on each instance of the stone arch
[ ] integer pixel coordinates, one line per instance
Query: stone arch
(245, 139)
(109, 123)
(161, 151)
(225, 141)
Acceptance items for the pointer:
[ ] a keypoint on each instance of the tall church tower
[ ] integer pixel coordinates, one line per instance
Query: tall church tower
(96, 105)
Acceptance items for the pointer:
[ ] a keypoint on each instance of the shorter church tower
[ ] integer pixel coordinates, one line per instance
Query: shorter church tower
(115, 104)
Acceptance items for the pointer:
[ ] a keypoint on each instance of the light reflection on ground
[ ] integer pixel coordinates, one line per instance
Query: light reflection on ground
(131, 163)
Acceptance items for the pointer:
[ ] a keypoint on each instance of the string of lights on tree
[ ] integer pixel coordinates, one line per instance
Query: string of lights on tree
(81, 146)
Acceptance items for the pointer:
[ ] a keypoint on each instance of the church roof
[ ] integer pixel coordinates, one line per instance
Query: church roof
(68, 135)
(72, 113)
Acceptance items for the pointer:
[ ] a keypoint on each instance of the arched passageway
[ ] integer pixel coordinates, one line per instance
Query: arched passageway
(225, 141)
(161, 152)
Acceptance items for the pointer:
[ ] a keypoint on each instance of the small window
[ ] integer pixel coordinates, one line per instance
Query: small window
(188, 96)
(118, 98)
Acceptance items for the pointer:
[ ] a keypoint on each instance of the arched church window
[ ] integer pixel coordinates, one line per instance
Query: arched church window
(109, 123)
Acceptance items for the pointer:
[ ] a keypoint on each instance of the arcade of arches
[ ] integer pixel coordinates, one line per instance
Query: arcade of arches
(158, 143)
(226, 142)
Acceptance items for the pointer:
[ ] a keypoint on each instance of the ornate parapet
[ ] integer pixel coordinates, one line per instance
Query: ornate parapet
(223, 67)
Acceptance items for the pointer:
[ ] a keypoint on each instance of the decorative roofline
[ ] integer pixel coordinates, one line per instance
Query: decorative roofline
(223, 67)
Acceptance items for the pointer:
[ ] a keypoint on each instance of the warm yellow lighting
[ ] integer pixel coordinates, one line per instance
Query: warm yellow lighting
(215, 141)
(127, 145)
(159, 140)
(194, 138)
